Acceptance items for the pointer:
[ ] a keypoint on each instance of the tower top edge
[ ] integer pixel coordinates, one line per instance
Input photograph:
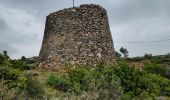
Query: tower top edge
(83, 6)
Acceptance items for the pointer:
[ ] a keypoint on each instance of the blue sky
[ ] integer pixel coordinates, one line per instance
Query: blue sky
(22, 24)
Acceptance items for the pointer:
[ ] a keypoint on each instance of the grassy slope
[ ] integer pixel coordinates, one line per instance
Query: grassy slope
(46, 91)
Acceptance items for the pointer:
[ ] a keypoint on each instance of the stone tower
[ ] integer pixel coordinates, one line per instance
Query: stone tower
(78, 35)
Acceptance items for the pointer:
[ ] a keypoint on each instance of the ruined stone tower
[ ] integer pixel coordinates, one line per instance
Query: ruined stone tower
(76, 36)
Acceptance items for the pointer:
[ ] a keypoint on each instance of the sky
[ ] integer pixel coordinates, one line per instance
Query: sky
(22, 24)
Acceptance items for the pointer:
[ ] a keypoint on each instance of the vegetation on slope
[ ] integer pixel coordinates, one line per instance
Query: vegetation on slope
(123, 81)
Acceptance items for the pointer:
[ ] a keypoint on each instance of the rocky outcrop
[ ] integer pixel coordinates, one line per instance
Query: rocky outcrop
(76, 36)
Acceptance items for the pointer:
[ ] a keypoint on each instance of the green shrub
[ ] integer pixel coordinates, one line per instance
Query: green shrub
(136, 82)
(166, 91)
(145, 96)
(58, 82)
(163, 83)
(4, 59)
(34, 88)
(147, 84)
(80, 78)
(118, 55)
(148, 56)
(18, 64)
(100, 80)
(129, 76)
(14, 81)
(167, 72)
(7, 93)
(8, 73)
(155, 68)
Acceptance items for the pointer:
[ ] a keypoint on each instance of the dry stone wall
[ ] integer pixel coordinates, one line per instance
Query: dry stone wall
(78, 35)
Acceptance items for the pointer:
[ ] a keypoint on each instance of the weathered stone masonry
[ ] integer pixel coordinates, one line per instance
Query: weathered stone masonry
(76, 36)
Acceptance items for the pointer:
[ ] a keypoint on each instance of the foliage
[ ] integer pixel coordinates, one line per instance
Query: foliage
(161, 60)
(8, 73)
(157, 68)
(58, 82)
(136, 82)
(121, 81)
(80, 79)
(30, 60)
(124, 51)
(100, 80)
(34, 88)
(14, 83)
(18, 64)
(118, 55)
(6, 93)
(4, 59)
(167, 55)
(148, 56)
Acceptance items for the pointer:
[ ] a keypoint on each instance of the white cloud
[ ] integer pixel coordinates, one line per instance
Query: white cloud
(144, 29)
(24, 31)
(22, 23)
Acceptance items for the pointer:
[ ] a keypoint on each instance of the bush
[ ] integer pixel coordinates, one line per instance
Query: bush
(145, 96)
(4, 59)
(167, 72)
(129, 78)
(80, 79)
(18, 64)
(34, 88)
(162, 82)
(58, 83)
(155, 68)
(148, 56)
(121, 81)
(136, 83)
(118, 55)
(100, 81)
(6, 93)
(160, 60)
(8, 73)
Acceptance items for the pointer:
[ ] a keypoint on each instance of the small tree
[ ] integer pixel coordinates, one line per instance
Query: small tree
(124, 51)
(4, 58)
(167, 55)
(147, 56)
(118, 55)
(23, 58)
(5, 53)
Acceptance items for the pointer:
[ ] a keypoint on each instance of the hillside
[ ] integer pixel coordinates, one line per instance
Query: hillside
(138, 78)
